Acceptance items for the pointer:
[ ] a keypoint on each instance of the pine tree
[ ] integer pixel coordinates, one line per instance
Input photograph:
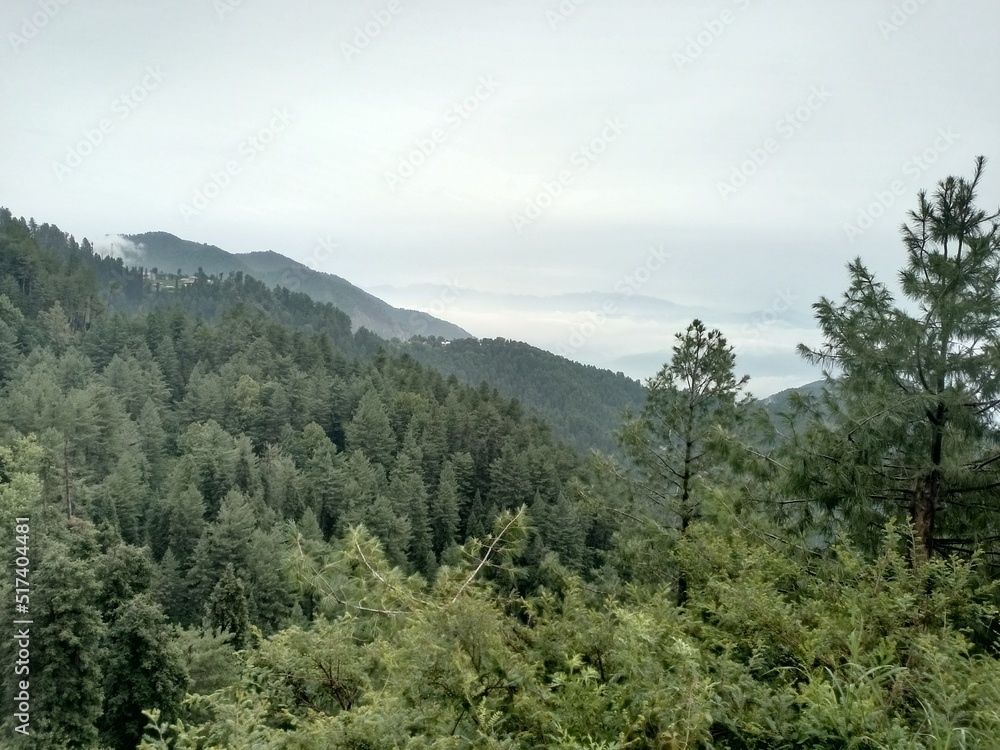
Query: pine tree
(227, 608)
(224, 542)
(171, 589)
(207, 659)
(11, 322)
(370, 430)
(510, 484)
(281, 483)
(392, 530)
(408, 496)
(65, 661)
(309, 526)
(124, 571)
(152, 439)
(689, 397)
(143, 670)
(122, 498)
(445, 510)
(186, 525)
(480, 518)
(212, 455)
(566, 534)
(54, 329)
(170, 367)
(323, 477)
(914, 386)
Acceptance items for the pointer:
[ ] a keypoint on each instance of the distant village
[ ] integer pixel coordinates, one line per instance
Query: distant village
(160, 280)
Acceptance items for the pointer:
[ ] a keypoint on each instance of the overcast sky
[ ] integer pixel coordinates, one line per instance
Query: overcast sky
(520, 147)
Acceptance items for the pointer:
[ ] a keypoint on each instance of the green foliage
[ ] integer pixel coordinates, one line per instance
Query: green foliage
(582, 403)
(350, 529)
(66, 664)
(690, 399)
(207, 659)
(143, 669)
(371, 432)
(227, 608)
(777, 648)
(911, 423)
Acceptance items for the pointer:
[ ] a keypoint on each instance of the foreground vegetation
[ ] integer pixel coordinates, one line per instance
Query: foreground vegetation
(251, 528)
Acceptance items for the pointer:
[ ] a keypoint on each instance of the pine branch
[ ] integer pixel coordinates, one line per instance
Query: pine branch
(489, 551)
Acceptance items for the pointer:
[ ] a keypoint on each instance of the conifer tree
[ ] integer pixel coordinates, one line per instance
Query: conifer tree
(143, 670)
(444, 513)
(186, 525)
(480, 518)
(65, 663)
(323, 477)
(914, 385)
(566, 534)
(510, 484)
(171, 589)
(409, 499)
(124, 571)
(122, 498)
(11, 322)
(689, 397)
(224, 542)
(152, 439)
(227, 608)
(280, 481)
(370, 430)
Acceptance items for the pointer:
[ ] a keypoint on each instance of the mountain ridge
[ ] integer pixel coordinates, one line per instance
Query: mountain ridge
(168, 252)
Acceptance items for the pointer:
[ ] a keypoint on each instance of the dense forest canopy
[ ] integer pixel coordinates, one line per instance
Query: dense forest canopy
(578, 401)
(250, 527)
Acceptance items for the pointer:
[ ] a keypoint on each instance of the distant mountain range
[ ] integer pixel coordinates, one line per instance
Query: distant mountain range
(628, 331)
(168, 253)
(584, 404)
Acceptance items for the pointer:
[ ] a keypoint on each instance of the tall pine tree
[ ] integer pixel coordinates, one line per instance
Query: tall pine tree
(914, 386)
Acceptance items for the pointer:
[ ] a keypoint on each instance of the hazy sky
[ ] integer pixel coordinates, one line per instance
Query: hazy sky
(522, 146)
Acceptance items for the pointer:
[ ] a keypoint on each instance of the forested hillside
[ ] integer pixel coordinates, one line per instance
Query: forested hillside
(167, 253)
(251, 528)
(167, 455)
(579, 401)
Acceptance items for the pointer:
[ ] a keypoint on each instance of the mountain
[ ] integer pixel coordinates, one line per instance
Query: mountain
(167, 253)
(780, 402)
(630, 331)
(583, 404)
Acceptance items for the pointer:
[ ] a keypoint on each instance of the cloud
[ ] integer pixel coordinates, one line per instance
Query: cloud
(119, 246)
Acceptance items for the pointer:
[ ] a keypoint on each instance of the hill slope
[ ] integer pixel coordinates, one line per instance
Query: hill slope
(168, 253)
(584, 404)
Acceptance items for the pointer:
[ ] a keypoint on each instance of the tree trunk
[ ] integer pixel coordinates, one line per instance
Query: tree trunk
(926, 494)
(682, 581)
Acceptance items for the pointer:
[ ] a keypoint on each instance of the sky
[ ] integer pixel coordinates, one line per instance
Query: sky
(727, 156)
